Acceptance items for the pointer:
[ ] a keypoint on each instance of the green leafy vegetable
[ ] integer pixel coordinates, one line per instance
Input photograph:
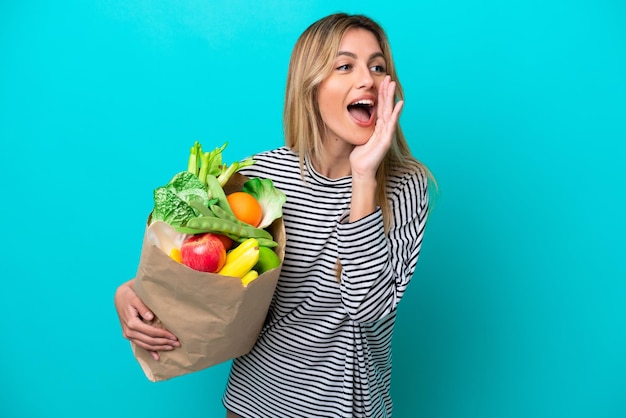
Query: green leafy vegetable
(270, 198)
(193, 166)
(189, 194)
(228, 171)
(211, 163)
(204, 164)
(171, 202)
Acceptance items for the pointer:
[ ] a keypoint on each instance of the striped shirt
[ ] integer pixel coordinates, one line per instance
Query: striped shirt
(325, 348)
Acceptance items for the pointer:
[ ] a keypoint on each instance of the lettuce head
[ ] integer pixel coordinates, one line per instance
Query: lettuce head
(172, 201)
(270, 198)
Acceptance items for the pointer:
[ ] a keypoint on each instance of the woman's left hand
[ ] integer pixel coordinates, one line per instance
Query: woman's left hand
(365, 159)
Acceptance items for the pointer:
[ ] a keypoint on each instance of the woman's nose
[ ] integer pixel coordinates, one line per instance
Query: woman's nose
(365, 79)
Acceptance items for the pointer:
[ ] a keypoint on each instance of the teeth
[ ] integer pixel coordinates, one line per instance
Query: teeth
(363, 102)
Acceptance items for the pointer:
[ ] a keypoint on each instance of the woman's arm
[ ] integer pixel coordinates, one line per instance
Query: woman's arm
(365, 159)
(377, 268)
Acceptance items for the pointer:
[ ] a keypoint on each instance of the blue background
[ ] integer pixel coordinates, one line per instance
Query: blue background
(518, 306)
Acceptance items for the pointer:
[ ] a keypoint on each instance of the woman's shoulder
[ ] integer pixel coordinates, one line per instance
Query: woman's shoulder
(416, 176)
(271, 162)
(280, 155)
(411, 184)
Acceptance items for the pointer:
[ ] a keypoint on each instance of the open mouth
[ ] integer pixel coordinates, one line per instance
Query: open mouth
(362, 110)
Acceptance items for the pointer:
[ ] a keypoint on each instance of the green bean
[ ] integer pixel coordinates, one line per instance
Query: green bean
(252, 232)
(264, 242)
(214, 224)
(219, 227)
(187, 230)
(222, 214)
(215, 191)
(204, 210)
(222, 226)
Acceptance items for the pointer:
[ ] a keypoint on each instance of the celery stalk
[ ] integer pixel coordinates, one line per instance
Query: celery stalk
(204, 167)
(203, 164)
(228, 171)
(194, 158)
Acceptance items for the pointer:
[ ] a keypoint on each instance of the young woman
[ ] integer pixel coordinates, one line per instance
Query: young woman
(356, 208)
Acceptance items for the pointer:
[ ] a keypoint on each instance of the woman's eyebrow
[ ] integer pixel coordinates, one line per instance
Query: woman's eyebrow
(353, 55)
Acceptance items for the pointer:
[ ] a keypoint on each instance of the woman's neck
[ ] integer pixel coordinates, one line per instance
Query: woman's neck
(334, 162)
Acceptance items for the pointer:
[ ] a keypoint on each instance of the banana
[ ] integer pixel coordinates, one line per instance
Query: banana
(248, 277)
(241, 259)
(242, 248)
(175, 254)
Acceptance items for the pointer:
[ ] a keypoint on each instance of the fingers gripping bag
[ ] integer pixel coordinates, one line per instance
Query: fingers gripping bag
(216, 315)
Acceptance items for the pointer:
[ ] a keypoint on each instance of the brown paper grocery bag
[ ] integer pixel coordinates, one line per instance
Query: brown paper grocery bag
(214, 317)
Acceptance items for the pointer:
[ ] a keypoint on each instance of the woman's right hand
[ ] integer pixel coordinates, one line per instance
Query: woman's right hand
(132, 312)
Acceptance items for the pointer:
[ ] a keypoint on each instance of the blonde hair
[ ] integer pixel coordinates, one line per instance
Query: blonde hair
(311, 62)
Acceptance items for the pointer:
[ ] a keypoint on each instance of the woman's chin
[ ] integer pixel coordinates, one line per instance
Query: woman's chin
(361, 139)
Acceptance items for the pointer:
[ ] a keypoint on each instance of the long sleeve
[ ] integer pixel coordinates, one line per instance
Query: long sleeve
(376, 269)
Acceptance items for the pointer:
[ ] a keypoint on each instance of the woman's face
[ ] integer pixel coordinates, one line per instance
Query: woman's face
(347, 97)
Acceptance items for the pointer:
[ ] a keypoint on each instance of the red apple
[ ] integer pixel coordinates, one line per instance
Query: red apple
(228, 243)
(203, 252)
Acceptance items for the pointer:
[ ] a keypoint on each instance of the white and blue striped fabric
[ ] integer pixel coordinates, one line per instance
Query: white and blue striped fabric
(325, 349)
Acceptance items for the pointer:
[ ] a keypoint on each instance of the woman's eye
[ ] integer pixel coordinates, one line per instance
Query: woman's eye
(378, 68)
(344, 67)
